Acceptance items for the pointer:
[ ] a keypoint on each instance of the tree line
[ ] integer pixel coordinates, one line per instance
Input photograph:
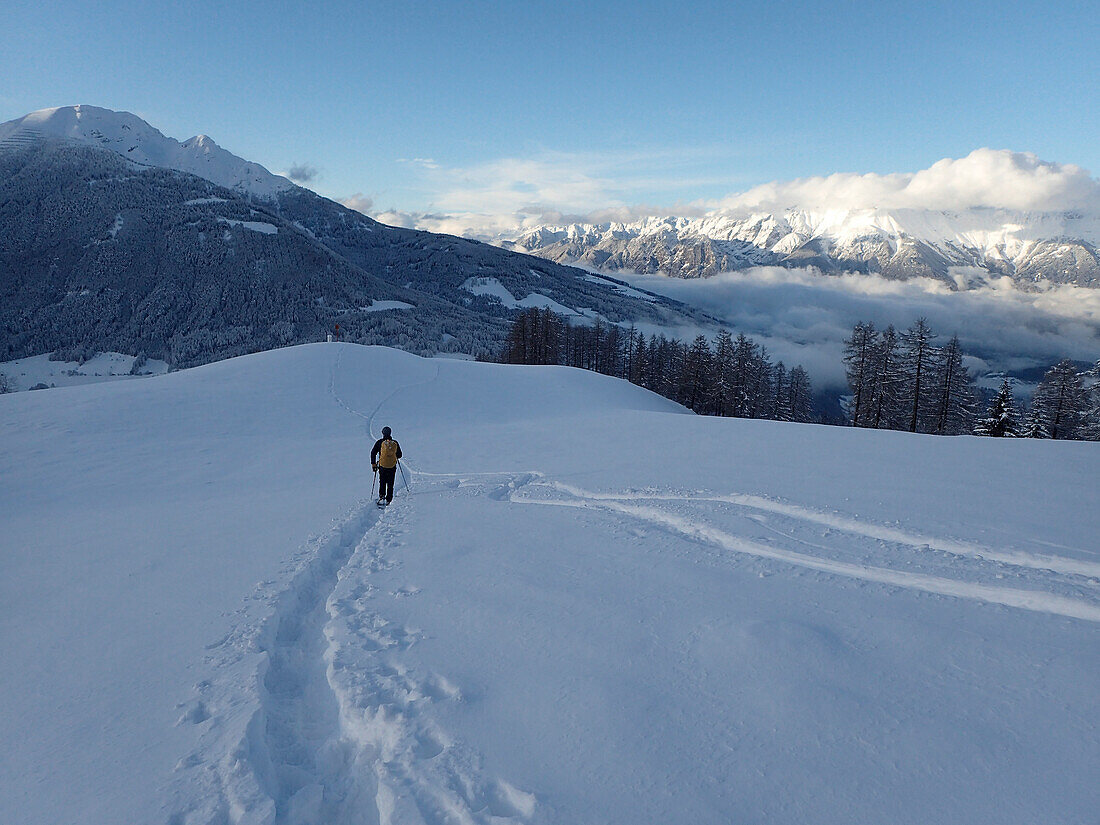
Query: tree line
(904, 381)
(1066, 405)
(733, 377)
(897, 380)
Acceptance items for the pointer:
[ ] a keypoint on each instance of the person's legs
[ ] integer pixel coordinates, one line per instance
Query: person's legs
(385, 482)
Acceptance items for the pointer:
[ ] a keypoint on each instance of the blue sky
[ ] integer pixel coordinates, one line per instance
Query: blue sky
(477, 105)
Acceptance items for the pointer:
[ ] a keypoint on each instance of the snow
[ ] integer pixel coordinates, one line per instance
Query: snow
(589, 606)
(25, 373)
(491, 287)
(1003, 233)
(618, 287)
(137, 141)
(254, 226)
(495, 289)
(383, 306)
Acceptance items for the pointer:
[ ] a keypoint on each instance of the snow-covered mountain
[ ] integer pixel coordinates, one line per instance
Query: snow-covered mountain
(116, 238)
(206, 620)
(134, 139)
(1029, 247)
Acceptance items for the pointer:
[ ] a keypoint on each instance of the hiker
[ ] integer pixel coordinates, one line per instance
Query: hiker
(383, 460)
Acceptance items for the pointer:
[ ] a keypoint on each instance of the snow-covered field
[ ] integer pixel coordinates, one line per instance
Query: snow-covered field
(39, 372)
(591, 608)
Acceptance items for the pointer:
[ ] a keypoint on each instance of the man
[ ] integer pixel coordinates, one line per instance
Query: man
(383, 460)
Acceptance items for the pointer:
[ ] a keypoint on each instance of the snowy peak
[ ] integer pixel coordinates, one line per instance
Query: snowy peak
(131, 137)
(1029, 247)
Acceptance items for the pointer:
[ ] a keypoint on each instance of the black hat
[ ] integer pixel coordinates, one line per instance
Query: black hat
(386, 432)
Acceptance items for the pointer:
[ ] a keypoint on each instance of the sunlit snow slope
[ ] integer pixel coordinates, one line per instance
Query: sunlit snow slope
(589, 607)
(136, 140)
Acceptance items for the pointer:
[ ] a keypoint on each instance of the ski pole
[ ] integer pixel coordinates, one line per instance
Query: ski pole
(402, 469)
(374, 481)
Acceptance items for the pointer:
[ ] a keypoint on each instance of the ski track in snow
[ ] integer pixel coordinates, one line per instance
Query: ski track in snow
(697, 530)
(1058, 564)
(369, 418)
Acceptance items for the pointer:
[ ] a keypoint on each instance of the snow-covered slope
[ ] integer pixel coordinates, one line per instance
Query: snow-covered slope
(1029, 247)
(39, 372)
(205, 619)
(136, 140)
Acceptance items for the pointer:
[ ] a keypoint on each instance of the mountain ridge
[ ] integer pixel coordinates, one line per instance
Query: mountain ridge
(1028, 247)
(107, 249)
(129, 136)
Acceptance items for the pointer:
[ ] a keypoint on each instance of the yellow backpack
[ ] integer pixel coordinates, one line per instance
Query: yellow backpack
(387, 454)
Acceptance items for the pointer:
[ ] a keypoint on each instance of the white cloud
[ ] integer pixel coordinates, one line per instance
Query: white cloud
(984, 178)
(487, 200)
(427, 163)
(803, 316)
(505, 196)
(488, 226)
(302, 172)
(359, 202)
(513, 185)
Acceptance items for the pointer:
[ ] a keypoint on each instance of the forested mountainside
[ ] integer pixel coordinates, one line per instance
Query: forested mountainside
(100, 253)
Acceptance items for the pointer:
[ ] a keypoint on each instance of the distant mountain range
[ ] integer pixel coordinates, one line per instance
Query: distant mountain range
(964, 248)
(116, 237)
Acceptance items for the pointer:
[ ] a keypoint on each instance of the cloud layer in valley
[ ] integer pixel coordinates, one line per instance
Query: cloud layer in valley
(803, 316)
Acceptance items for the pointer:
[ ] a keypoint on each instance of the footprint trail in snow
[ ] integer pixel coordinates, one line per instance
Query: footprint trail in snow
(332, 726)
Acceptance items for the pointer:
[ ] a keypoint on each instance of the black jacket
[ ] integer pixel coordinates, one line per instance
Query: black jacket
(378, 449)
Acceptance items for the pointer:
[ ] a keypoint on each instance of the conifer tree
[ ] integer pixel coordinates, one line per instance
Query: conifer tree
(1061, 401)
(1000, 420)
(742, 376)
(517, 342)
(781, 403)
(800, 394)
(886, 404)
(859, 358)
(1035, 424)
(629, 354)
(611, 354)
(760, 386)
(918, 358)
(1091, 380)
(722, 387)
(639, 359)
(665, 367)
(695, 378)
(955, 396)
